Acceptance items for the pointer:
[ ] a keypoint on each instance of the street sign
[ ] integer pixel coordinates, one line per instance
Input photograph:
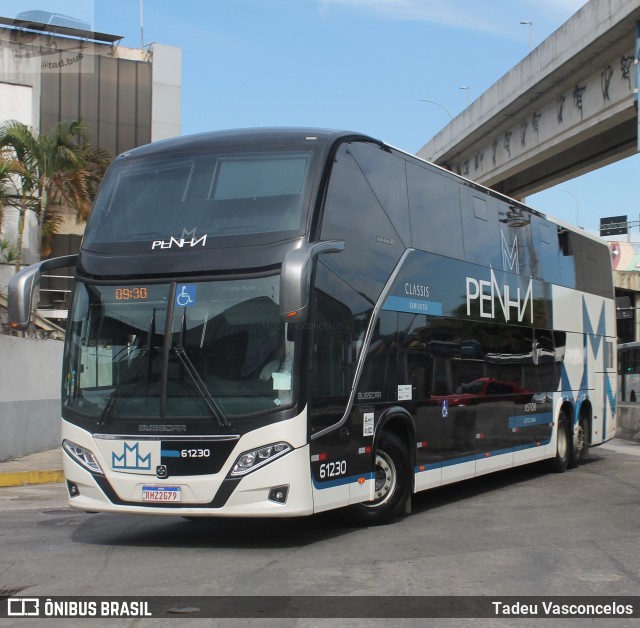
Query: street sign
(624, 309)
(613, 225)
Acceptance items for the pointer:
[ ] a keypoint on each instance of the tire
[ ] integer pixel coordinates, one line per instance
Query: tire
(580, 449)
(560, 462)
(392, 478)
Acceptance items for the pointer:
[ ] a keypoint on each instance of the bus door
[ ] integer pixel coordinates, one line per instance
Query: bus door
(332, 461)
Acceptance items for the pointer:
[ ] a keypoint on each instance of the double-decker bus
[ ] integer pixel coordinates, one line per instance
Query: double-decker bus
(280, 322)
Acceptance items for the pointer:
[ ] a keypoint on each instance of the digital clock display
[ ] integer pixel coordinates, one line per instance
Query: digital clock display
(131, 294)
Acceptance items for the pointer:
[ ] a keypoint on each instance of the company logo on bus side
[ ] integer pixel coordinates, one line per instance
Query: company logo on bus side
(488, 291)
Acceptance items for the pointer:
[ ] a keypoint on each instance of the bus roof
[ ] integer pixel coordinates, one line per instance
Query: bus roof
(239, 137)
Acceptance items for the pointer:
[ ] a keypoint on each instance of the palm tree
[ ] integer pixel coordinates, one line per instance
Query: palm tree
(57, 169)
(5, 182)
(10, 170)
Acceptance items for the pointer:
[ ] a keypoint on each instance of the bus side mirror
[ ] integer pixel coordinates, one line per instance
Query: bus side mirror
(295, 280)
(23, 285)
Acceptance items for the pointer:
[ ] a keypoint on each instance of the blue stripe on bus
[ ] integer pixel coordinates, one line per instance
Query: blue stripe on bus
(169, 453)
(413, 306)
(434, 465)
(479, 456)
(341, 481)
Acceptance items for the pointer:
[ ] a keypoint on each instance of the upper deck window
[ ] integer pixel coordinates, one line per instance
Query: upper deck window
(172, 198)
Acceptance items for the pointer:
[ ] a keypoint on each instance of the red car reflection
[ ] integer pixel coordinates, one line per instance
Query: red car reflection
(486, 389)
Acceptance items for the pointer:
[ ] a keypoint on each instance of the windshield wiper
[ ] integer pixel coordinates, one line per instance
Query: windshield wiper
(106, 412)
(200, 386)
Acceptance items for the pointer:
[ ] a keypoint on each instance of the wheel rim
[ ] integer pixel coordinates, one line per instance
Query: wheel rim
(580, 439)
(562, 441)
(386, 478)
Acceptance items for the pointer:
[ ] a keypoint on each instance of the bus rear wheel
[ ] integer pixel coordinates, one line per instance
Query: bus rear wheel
(580, 450)
(560, 462)
(392, 485)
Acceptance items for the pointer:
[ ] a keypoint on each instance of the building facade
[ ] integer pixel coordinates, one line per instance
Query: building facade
(126, 97)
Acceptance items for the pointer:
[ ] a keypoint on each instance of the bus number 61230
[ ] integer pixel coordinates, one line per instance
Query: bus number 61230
(195, 453)
(333, 469)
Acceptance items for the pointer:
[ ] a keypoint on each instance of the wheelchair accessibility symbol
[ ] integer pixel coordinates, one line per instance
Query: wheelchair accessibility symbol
(186, 295)
(445, 408)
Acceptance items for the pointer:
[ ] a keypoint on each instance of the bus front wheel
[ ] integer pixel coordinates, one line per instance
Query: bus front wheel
(392, 484)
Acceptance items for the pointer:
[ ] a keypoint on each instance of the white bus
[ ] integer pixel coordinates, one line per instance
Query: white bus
(279, 322)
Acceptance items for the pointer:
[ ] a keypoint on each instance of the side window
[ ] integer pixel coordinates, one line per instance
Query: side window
(434, 202)
(560, 347)
(353, 213)
(480, 228)
(546, 246)
(496, 345)
(566, 258)
(593, 266)
(414, 357)
(331, 350)
(517, 361)
(457, 353)
(518, 252)
(387, 176)
(379, 375)
(545, 378)
(340, 318)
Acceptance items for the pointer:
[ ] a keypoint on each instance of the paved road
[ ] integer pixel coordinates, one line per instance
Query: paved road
(522, 532)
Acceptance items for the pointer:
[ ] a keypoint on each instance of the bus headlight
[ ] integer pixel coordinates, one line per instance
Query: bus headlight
(82, 456)
(251, 460)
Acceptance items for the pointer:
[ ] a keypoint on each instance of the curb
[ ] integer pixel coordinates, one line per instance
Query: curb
(21, 478)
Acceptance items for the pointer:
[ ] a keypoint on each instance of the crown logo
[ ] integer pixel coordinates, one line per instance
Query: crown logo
(131, 459)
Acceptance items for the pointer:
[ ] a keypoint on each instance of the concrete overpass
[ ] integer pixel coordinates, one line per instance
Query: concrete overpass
(569, 107)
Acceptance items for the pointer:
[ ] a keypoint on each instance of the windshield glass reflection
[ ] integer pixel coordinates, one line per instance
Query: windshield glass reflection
(223, 352)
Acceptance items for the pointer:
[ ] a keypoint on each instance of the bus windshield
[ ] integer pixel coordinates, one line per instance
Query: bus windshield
(153, 199)
(214, 349)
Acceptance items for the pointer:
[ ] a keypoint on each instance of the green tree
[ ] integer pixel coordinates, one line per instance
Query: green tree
(10, 170)
(56, 169)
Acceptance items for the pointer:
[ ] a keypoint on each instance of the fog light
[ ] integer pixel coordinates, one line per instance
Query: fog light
(279, 494)
(73, 489)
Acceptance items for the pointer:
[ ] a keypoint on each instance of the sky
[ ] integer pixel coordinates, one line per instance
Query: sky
(359, 65)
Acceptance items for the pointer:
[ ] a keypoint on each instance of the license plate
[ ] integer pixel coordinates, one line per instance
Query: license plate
(161, 494)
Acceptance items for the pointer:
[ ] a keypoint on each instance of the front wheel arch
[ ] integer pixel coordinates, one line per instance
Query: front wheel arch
(392, 477)
(399, 422)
